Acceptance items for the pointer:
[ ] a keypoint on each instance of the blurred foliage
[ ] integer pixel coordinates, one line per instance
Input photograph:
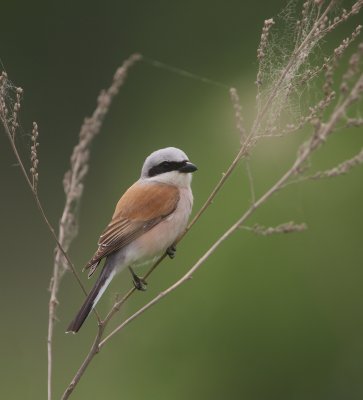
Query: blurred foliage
(266, 317)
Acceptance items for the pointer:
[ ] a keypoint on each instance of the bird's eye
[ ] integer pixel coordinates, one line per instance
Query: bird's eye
(165, 163)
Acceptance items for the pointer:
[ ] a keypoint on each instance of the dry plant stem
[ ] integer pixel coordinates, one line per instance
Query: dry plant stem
(41, 210)
(288, 227)
(94, 350)
(354, 122)
(73, 185)
(51, 229)
(286, 70)
(314, 143)
(250, 181)
(340, 169)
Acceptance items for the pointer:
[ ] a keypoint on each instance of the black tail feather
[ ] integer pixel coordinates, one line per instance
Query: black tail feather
(89, 303)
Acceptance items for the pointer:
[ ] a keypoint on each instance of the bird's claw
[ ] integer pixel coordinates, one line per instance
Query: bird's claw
(170, 251)
(139, 283)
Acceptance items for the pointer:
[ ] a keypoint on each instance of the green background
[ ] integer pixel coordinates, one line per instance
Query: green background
(265, 317)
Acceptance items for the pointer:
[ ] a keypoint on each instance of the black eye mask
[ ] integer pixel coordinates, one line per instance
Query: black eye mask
(166, 166)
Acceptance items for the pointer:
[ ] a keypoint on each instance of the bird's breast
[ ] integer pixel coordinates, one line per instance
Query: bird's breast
(163, 235)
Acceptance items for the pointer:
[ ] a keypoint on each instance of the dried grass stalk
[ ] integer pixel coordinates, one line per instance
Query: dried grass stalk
(288, 227)
(73, 184)
(73, 180)
(340, 169)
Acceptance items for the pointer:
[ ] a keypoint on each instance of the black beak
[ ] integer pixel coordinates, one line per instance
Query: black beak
(188, 167)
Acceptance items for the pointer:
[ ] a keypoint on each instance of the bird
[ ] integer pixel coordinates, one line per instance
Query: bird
(148, 220)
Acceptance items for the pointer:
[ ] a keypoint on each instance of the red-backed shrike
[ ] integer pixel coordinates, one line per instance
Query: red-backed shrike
(147, 221)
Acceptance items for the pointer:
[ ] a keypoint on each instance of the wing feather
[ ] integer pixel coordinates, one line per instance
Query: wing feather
(142, 207)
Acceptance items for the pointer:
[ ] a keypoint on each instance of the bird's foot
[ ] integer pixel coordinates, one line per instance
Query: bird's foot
(139, 283)
(170, 251)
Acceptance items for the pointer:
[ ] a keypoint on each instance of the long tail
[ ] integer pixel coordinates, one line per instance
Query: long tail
(95, 294)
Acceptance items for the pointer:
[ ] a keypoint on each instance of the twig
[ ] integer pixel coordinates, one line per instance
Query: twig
(354, 122)
(238, 113)
(93, 351)
(298, 56)
(250, 181)
(36, 198)
(34, 156)
(261, 51)
(287, 227)
(340, 169)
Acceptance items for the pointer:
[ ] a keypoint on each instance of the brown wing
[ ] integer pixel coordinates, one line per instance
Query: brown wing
(142, 207)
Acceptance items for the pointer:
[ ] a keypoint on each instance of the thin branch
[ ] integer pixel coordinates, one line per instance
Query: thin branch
(299, 52)
(93, 351)
(354, 122)
(341, 169)
(37, 200)
(322, 134)
(238, 113)
(34, 156)
(250, 181)
(344, 16)
(261, 50)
